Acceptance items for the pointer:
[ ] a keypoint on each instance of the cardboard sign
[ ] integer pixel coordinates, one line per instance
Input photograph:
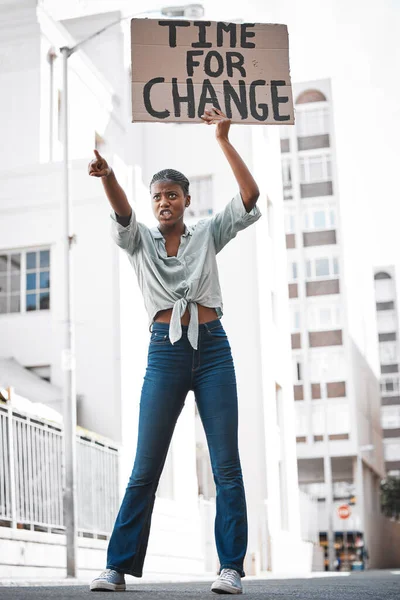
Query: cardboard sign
(181, 68)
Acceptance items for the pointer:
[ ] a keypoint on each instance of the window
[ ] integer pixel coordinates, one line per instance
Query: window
(301, 421)
(315, 168)
(200, 191)
(322, 268)
(319, 218)
(10, 283)
(24, 281)
(298, 371)
(386, 321)
(290, 222)
(390, 416)
(296, 320)
(286, 172)
(338, 418)
(313, 121)
(388, 353)
(321, 318)
(390, 385)
(391, 450)
(292, 271)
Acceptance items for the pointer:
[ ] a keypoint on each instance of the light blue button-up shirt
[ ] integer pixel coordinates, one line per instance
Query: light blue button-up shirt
(191, 277)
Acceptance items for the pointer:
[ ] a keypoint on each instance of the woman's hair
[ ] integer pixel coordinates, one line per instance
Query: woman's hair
(172, 175)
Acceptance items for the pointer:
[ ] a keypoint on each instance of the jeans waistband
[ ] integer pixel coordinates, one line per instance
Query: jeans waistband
(156, 325)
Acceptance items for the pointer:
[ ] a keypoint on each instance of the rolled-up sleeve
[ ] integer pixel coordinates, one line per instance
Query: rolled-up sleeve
(126, 237)
(232, 219)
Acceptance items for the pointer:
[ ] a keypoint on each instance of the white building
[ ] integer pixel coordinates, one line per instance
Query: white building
(111, 323)
(333, 321)
(388, 336)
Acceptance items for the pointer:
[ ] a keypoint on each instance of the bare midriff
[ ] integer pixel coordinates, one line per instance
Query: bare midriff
(206, 314)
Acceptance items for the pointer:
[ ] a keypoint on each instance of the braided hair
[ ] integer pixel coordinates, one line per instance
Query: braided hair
(172, 175)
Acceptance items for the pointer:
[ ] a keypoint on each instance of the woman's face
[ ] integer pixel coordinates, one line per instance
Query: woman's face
(168, 196)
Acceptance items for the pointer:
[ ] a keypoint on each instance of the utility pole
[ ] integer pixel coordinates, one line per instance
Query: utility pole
(68, 353)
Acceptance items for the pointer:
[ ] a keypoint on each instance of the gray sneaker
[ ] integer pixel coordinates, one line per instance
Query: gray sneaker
(109, 580)
(229, 582)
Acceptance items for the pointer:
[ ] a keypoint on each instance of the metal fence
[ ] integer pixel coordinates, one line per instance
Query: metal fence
(31, 468)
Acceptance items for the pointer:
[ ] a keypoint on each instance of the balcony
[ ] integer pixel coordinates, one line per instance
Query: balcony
(323, 287)
(311, 142)
(318, 339)
(319, 188)
(319, 238)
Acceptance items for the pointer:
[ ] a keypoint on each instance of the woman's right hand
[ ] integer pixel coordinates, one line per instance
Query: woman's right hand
(98, 167)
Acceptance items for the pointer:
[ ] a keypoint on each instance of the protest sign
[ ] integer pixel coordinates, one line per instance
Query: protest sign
(181, 68)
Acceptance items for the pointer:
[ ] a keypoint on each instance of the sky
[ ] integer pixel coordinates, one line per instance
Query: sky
(352, 39)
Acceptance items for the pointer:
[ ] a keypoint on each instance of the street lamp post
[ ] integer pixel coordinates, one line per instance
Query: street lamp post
(68, 353)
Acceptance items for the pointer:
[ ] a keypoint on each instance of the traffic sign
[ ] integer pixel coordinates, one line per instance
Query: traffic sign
(344, 511)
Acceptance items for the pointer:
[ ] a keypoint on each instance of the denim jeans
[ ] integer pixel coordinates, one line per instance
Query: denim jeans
(173, 370)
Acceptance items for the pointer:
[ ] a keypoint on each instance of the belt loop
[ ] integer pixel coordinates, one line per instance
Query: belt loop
(151, 324)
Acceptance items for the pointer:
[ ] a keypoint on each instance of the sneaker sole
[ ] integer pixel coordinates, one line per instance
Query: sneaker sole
(225, 589)
(103, 586)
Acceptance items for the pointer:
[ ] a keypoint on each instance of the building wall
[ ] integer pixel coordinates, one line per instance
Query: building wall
(333, 321)
(388, 336)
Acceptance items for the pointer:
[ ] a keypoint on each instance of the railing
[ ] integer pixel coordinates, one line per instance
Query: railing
(31, 457)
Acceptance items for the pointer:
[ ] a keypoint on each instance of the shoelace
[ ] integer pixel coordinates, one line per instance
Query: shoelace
(230, 575)
(107, 574)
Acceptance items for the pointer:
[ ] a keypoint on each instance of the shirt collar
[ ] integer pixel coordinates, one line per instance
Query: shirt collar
(156, 233)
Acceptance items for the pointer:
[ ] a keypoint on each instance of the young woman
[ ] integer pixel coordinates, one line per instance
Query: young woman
(188, 350)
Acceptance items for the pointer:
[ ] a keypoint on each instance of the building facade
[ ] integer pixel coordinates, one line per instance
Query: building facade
(388, 336)
(335, 370)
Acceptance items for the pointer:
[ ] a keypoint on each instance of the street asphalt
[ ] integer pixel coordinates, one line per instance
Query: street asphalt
(374, 585)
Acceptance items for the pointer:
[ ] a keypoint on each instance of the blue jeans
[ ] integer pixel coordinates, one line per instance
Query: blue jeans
(173, 370)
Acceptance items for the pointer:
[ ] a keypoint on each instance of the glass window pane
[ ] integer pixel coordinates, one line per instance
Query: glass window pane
(336, 266)
(15, 262)
(44, 280)
(31, 302)
(15, 282)
(294, 270)
(325, 316)
(308, 267)
(316, 169)
(3, 304)
(31, 281)
(31, 260)
(44, 300)
(3, 284)
(15, 304)
(319, 219)
(321, 267)
(3, 262)
(44, 258)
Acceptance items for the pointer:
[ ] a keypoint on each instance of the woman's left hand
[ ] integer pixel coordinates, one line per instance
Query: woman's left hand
(214, 116)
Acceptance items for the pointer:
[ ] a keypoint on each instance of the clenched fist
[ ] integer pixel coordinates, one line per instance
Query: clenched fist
(98, 167)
